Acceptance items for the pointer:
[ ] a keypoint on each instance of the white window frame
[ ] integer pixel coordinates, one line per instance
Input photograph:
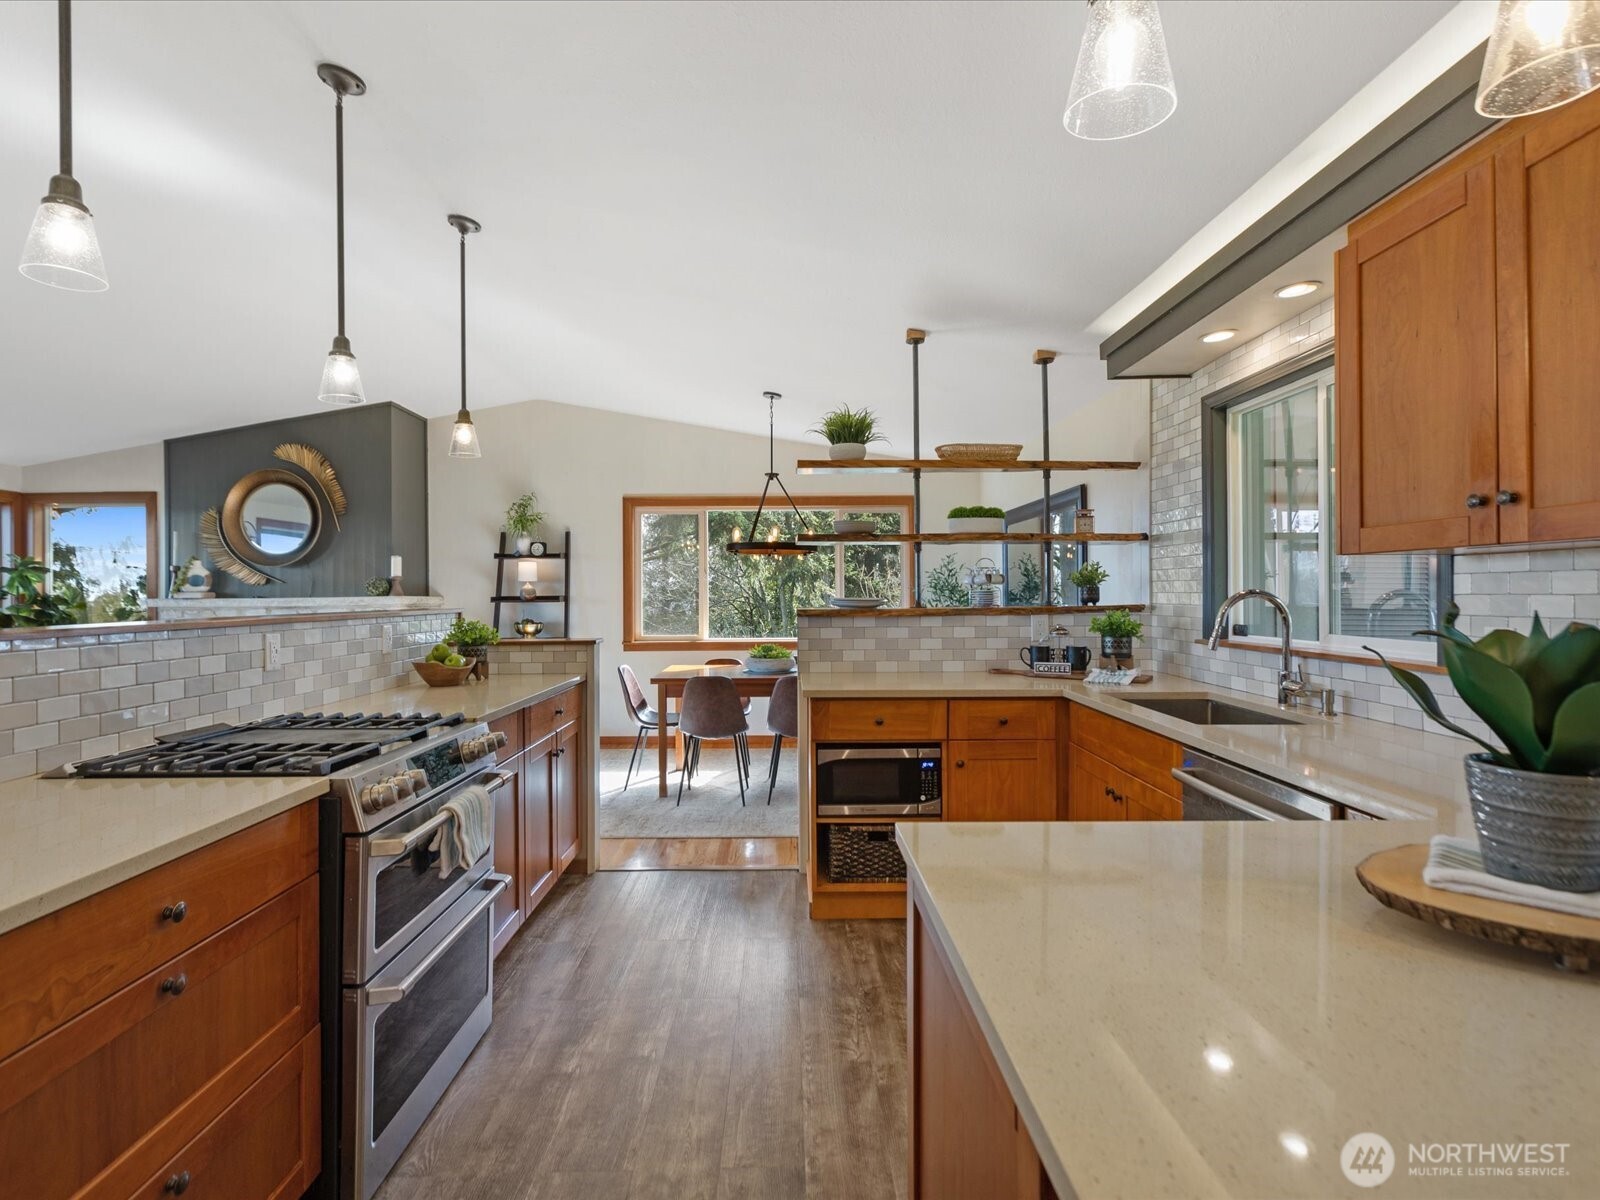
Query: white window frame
(739, 504)
(1408, 649)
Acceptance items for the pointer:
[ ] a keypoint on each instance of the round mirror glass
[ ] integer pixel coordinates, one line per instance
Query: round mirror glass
(277, 519)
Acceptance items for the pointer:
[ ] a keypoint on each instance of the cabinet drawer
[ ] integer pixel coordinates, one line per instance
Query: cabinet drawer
(67, 961)
(1008, 720)
(889, 720)
(265, 1145)
(555, 713)
(1138, 752)
(513, 725)
(99, 1104)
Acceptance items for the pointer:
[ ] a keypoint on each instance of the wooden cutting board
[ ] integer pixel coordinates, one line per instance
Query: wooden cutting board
(1394, 877)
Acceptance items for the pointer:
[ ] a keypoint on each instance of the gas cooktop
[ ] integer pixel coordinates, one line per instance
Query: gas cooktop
(295, 744)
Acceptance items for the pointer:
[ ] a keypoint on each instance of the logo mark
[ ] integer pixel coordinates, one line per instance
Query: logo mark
(1367, 1160)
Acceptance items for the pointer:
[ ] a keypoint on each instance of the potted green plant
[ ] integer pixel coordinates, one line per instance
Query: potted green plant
(944, 587)
(768, 658)
(472, 639)
(1117, 629)
(28, 604)
(977, 518)
(1536, 797)
(523, 519)
(849, 431)
(1087, 579)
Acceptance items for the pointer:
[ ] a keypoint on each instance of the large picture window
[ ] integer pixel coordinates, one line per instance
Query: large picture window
(99, 550)
(1271, 486)
(682, 589)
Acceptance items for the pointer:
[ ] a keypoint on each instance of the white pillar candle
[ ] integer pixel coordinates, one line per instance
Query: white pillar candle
(394, 566)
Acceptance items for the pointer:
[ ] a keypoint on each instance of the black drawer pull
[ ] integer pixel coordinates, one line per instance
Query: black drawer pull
(560, 711)
(177, 1184)
(961, 762)
(174, 985)
(175, 912)
(1005, 720)
(877, 720)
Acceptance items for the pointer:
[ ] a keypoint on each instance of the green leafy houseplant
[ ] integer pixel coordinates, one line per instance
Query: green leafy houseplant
(1116, 623)
(28, 604)
(849, 426)
(1027, 586)
(1091, 574)
(944, 587)
(468, 634)
(522, 519)
(976, 510)
(1540, 695)
(768, 650)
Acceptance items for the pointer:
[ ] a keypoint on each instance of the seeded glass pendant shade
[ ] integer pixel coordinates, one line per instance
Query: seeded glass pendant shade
(62, 250)
(773, 546)
(341, 380)
(464, 434)
(1542, 54)
(1123, 81)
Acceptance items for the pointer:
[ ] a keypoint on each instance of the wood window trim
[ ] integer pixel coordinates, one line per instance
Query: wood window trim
(19, 504)
(1425, 668)
(31, 531)
(633, 638)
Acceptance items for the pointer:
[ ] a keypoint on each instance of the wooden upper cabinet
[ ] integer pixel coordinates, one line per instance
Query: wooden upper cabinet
(1415, 371)
(1547, 225)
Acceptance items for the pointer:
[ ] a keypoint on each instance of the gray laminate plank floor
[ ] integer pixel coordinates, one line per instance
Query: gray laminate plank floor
(679, 1034)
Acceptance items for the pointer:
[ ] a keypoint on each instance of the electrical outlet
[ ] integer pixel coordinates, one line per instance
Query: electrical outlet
(388, 637)
(273, 651)
(1038, 626)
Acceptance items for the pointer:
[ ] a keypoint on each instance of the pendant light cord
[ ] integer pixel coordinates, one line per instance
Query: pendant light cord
(338, 192)
(463, 321)
(64, 33)
(772, 461)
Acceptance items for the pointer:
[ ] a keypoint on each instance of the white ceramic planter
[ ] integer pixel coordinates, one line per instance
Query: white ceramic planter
(847, 450)
(522, 543)
(977, 524)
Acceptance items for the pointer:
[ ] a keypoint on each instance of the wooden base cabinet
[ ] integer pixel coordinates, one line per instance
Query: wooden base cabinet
(1000, 781)
(1121, 772)
(966, 1135)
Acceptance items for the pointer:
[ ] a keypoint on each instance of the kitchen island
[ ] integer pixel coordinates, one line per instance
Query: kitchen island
(1213, 1009)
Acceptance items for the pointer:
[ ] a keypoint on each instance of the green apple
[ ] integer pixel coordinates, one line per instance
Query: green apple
(455, 660)
(440, 653)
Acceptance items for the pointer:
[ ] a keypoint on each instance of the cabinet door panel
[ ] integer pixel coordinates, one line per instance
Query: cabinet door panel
(508, 851)
(538, 833)
(1548, 239)
(1000, 781)
(564, 795)
(1415, 304)
(1094, 788)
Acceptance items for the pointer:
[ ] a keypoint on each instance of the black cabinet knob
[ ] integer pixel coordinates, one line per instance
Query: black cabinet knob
(177, 1184)
(1506, 497)
(174, 984)
(175, 912)
(1477, 500)
(1005, 720)
(877, 720)
(961, 762)
(1109, 792)
(561, 712)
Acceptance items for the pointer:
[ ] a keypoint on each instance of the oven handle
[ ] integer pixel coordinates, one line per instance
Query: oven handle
(1229, 798)
(381, 848)
(380, 997)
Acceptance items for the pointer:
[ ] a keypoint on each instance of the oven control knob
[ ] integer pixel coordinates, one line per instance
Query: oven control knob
(369, 799)
(471, 750)
(419, 779)
(402, 784)
(500, 739)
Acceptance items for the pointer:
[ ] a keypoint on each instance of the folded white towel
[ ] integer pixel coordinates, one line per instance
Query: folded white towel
(468, 833)
(1456, 865)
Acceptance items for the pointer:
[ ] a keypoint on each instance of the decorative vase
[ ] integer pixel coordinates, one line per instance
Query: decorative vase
(1536, 828)
(1091, 593)
(480, 660)
(847, 450)
(977, 524)
(1116, 647)
(521, 541)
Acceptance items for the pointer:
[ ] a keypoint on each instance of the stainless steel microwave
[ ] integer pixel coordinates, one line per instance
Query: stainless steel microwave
(879, 781)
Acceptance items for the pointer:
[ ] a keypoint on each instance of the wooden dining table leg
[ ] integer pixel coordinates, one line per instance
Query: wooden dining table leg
(661, 737)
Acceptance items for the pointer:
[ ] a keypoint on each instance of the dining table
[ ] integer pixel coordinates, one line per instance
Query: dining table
(669, 683)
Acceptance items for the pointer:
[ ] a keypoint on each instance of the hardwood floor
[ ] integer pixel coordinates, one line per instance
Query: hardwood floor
(700, 854)
(680, 1034)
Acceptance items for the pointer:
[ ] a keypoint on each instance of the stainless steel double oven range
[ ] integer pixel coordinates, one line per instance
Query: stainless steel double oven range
(407, 965)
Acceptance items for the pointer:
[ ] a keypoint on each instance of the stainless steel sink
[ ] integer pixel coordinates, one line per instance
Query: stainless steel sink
(1198, 710)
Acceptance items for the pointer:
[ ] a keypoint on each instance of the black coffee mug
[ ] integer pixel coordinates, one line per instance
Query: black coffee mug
(1078, 657)
(1036, 654)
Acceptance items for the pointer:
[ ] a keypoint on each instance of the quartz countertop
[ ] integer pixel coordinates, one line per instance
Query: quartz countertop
(64, 839)
(1212, 1009)
(1385, 770)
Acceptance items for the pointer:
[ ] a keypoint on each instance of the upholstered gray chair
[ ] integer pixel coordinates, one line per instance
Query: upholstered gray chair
(711, 711)
(643, 715)
(783, 719)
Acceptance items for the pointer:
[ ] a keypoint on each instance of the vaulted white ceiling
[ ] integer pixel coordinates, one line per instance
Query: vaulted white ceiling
(683, 203)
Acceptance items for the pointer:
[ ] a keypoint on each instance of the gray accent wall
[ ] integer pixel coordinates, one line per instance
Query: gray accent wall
(378, 451)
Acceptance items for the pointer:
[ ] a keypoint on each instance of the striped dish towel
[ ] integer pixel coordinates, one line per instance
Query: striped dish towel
(1455, 865)
(469, 832)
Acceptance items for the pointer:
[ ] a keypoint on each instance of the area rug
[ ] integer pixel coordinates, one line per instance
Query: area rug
(709, 809)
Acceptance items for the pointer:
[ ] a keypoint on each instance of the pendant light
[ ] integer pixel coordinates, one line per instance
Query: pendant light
(464, 436)
(62, 250)
(341, 381)
(1123, 81)
(1542, 54)
(773, 546)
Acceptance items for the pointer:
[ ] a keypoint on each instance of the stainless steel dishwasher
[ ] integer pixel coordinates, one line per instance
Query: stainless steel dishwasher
(1218, 791)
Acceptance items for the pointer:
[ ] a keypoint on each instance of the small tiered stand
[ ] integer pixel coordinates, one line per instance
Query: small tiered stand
(916, 539)
(503, 556)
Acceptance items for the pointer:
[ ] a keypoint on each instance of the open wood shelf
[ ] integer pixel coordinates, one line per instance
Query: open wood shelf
(950, 539)
(878, 466)
(875, 820)
(525, 600)
(522, 556)
(821, 884)
(1022, 610)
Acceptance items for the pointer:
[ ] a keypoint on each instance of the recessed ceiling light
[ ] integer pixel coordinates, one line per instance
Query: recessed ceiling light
(1219, 335)
(1295, 1144)
(1219, 1060)
(1291, 291)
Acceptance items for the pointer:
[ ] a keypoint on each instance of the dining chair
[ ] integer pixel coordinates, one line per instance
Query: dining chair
(644, 716)
(783, 719)
(710, 711)
(734, 662)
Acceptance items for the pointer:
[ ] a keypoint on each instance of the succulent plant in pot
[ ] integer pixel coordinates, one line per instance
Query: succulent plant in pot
(977, 518)
(849, 431)
(1536, 797)
(1117, 629)
(1087, 579)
